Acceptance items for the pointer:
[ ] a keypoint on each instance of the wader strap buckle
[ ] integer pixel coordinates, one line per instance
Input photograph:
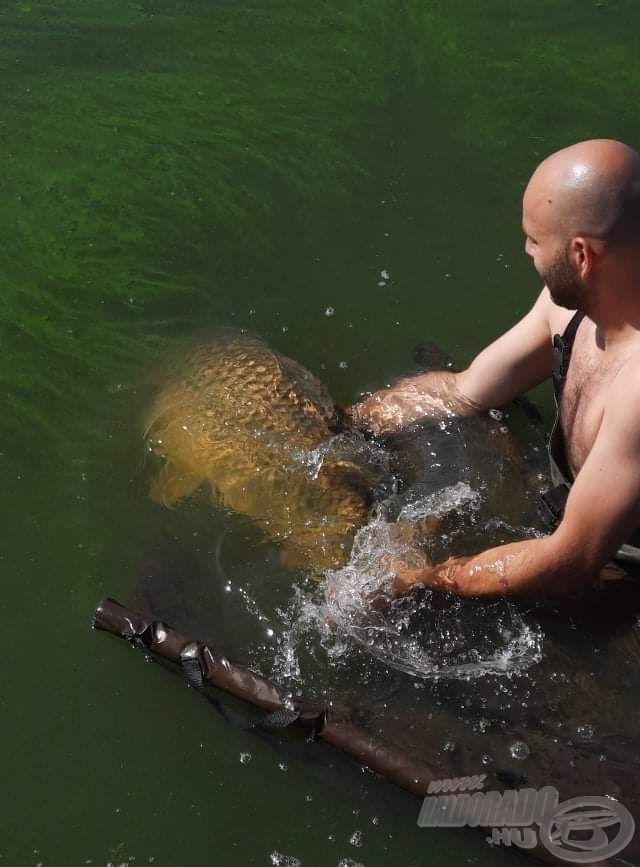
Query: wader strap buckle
(562, 346)
(559, 363)
(554, 502)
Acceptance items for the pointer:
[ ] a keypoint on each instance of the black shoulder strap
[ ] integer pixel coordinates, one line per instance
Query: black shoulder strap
(562, 346)
(569, 333)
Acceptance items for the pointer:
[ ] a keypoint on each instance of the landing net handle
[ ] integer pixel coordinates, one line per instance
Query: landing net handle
(203, 666)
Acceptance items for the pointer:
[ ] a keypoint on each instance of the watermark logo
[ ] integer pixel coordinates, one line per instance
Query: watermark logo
(457, 784)
(581, 830)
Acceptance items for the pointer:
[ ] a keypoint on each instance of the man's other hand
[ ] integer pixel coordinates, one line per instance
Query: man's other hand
(390, 409)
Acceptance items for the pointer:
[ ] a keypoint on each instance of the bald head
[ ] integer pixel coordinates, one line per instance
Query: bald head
(591, 188)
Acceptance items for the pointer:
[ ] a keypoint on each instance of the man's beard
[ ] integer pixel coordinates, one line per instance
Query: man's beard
(565, 288)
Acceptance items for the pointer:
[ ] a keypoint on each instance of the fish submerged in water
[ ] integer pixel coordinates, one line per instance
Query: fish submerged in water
(259, 430)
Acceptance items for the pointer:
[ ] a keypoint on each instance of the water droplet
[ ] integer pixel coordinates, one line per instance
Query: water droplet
(486, 759)
(519, 750)
(343, 365)
(586, 732)
(245, 758)
(280, 860)
(356, 839)
(330, 311)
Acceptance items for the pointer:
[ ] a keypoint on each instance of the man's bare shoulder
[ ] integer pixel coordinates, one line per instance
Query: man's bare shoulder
(621, 415)
(627, 381)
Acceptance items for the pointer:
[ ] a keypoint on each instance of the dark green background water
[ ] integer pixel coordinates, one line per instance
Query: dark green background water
(170, 164)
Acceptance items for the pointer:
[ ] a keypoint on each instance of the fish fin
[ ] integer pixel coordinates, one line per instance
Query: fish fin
(172, 485)
(430, 356)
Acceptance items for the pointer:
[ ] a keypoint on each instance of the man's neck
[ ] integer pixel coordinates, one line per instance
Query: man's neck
(614, 306)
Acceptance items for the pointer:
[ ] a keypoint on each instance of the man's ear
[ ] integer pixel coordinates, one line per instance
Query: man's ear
(583, 252)
(580, 256)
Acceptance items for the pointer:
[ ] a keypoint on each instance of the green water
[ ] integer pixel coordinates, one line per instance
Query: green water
(168, 165)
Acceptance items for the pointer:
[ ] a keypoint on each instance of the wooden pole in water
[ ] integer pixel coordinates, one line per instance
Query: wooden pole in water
(203, 667)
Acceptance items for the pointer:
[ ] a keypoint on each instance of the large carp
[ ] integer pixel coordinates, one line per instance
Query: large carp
(259, 430)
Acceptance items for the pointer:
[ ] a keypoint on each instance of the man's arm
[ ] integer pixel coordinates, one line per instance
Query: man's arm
(511, 365)
(602, 510)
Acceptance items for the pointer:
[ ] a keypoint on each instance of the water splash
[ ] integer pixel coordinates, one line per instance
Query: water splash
(349, 446)
(426, 634)
(457, 496)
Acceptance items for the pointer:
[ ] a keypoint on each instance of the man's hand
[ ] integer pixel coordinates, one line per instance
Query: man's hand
(387, 410)
(438, 577)
(431, 395)
(406, 578)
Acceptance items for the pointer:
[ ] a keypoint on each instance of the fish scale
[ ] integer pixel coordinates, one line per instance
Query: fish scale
(245, 421)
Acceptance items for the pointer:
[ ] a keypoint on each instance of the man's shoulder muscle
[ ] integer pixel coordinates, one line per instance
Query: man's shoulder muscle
(621, 418)
(603, 508)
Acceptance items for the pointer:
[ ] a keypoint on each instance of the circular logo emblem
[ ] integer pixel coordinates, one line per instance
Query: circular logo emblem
(587, 829)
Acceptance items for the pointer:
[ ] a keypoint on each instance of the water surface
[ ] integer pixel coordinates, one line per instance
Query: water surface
(171, 165)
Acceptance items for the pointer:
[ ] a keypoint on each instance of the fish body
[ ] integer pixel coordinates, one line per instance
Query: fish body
(258, 430)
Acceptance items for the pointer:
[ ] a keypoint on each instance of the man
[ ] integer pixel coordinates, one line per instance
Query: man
(581, 219)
